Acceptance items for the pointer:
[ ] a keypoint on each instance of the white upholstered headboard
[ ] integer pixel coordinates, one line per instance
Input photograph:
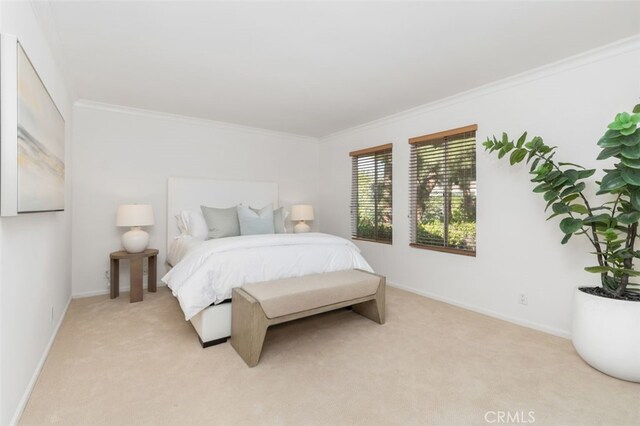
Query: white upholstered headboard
(191, 193)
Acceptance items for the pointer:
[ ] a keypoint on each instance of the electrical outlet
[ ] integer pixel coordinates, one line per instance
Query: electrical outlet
(523, 299)
(107, 275)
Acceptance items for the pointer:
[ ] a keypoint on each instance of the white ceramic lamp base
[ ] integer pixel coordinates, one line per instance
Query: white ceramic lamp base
(135, 241)
(301, 227)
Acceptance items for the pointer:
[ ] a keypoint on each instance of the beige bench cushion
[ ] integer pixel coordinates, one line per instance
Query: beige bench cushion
(293, 295)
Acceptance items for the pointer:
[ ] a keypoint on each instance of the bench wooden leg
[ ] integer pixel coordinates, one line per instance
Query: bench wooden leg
(248, 327)
(374, 309)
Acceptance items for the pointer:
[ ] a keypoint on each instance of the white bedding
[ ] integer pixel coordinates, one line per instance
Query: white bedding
(179, 248)
(210, 270)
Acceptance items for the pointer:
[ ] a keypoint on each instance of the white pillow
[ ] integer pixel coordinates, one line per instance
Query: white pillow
(192, 223)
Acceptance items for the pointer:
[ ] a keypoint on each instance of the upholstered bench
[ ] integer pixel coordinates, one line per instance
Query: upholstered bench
(257, 306)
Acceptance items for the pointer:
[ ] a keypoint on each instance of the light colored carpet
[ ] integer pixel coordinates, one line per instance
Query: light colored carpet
(115, 363)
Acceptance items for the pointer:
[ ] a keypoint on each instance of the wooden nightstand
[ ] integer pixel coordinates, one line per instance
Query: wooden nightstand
(135, 275)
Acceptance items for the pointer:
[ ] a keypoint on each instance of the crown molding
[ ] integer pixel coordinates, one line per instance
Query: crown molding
(159, 115)
(576, 61)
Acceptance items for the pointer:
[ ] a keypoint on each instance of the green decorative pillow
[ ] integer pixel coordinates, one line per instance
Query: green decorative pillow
(254, 222)
(221, 222)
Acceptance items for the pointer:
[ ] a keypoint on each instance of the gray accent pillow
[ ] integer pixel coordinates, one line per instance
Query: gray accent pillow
(279, 216)
(221, 222)
(254, 222)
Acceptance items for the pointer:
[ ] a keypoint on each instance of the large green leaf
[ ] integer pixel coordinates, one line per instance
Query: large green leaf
(610, 134)
(553, 175)
(634, 164)
(508, 146)
(612, 181)
(521, 140)
(635, 199)
(550, 195)
(573, 189)
(517, 156)
(583, 174)
(566, 238)
(606, 142)
(559, 181)
(579, 208)
(560, 208)
(571, 175)
(534, 165)
(632, 152)
(609, 152)
(608, 138)
(570, 198)
(631, 176)
(630, 140)
(628, 218)
(543, 187)
(569, 225)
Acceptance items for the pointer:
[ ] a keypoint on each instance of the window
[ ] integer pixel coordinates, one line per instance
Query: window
(442, 173)
(371, 194)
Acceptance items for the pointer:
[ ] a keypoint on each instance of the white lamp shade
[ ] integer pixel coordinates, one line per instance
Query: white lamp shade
(135, 215)
(302, 212)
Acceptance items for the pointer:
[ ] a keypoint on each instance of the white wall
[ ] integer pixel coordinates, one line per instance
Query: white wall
(569, 105)
(35, 249)
(123, 155)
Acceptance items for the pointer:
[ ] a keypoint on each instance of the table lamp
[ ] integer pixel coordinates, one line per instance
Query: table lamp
(135, 216)
(302, 213)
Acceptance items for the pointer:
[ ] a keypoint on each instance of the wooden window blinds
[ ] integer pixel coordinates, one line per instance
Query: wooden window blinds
(442, 173)
(371, 194)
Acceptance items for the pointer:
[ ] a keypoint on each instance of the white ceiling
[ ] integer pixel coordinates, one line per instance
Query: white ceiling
(315, 68)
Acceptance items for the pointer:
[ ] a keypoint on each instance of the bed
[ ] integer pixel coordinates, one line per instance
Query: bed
(204, 273)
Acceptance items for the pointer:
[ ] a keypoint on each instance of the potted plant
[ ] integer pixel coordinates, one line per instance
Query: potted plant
(606, 318)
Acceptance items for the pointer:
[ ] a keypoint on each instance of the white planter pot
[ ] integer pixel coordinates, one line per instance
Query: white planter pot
(606, 334)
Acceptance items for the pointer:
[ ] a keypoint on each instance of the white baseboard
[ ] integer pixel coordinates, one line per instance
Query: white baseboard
(493, 314)
(107, 291)
(27, 393)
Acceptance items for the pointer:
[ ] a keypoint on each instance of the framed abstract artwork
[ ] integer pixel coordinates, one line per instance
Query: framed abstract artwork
(33, 138)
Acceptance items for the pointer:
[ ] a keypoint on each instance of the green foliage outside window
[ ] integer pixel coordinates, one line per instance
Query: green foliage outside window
(444, 193)
(373, 187)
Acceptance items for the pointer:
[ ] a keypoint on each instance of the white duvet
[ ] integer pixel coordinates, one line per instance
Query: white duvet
(210, 270)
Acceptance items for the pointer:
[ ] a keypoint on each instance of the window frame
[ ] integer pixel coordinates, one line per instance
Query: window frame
(354, 155)
(413, 188)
